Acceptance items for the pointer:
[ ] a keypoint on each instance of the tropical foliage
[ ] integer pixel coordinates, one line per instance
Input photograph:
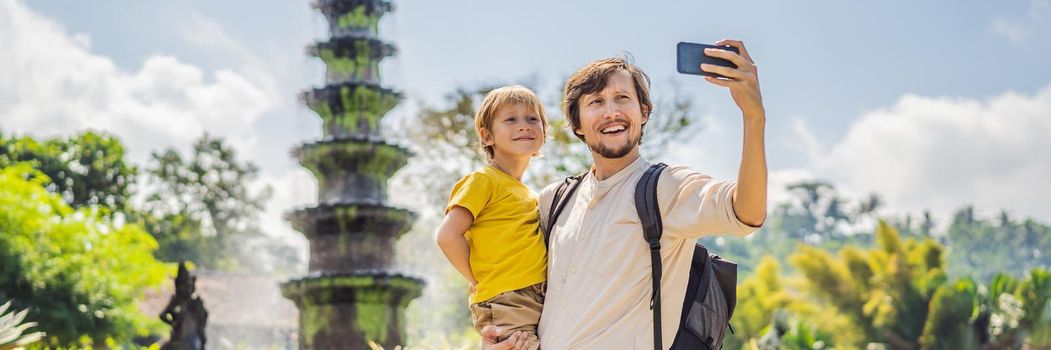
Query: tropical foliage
(79, 248)
(86, 169)
(80, 273)
(13, 331)
(896, 293)
(202, 209)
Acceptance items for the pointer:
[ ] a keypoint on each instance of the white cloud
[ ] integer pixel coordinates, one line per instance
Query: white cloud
(208, 34)
(1019, 29)
(201, 30)
(54, 85)
(1039, 8)
(920, 153)
(1015, 31)
(806, 142)
(942, 153)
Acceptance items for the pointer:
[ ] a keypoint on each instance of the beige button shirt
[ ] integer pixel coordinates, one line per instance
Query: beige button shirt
(598, 292)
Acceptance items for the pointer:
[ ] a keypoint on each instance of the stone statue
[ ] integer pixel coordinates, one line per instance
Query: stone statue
(185, 313)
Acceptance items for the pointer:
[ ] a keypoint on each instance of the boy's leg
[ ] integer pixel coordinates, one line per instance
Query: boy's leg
(517, 310)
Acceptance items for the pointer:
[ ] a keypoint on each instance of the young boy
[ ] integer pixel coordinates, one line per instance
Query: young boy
(491, 231)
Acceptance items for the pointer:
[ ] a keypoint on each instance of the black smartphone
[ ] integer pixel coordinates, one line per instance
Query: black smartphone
(691, 55)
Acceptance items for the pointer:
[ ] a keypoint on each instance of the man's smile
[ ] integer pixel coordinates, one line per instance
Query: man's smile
(614, 128)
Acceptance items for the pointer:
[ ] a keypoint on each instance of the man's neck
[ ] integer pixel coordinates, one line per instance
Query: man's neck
(607, 167)
(510, 165)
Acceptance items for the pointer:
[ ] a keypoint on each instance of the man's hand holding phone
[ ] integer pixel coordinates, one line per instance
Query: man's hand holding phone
(726, 64)
(690, 57)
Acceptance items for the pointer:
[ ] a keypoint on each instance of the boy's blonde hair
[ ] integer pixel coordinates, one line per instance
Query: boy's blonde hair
(499, 97)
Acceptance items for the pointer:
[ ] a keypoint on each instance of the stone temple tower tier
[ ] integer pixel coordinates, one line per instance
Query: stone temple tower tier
(351, 295)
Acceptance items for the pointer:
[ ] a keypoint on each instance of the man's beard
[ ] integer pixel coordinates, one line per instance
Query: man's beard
(614, 152)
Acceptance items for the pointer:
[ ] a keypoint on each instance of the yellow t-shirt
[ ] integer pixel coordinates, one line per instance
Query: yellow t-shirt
(507, 247)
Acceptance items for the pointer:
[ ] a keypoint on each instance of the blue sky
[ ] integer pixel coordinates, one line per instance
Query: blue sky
(933, 104)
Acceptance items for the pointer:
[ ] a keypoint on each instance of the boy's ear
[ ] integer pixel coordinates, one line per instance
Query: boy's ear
(486, 138)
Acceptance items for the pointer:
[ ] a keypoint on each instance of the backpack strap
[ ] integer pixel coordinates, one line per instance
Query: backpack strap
(562, 195)
(649, 215)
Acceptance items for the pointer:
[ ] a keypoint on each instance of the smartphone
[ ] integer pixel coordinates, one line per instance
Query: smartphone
(691, 55)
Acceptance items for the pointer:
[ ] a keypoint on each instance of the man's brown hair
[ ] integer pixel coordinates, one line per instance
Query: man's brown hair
(593, 78)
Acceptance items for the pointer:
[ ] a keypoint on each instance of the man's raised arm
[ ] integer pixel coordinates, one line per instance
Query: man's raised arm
(750, 197)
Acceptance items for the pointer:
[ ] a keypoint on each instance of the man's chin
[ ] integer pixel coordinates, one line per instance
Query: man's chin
(612, 152)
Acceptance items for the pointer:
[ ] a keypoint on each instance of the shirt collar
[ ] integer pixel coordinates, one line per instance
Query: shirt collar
(640, 163)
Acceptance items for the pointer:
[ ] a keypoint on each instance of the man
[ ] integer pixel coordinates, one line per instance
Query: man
(599, 286)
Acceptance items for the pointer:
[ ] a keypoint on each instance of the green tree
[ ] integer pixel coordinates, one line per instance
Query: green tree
(917, 226)
(86, 170)
(204, 196)
(984, 247)
(899, 293)
(800, 335)
(79, 273)
(817, 213)
(759, 298)
(772, 314)
(1011, 309)
(887, 291)
(202, 208)
(787, 333)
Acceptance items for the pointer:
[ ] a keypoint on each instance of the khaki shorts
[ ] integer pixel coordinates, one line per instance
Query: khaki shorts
(517, 310)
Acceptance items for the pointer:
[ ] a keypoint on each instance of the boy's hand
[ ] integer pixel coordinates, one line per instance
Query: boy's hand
(472, 287)
(491, 334)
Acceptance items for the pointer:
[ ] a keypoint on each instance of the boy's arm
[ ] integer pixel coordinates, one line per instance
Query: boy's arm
(451, 240)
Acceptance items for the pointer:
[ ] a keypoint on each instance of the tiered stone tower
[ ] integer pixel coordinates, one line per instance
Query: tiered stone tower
(351, 295)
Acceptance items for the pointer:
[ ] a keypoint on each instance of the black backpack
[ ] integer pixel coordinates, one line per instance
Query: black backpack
(711, 293)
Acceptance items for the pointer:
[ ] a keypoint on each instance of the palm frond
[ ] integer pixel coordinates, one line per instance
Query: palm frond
(12, 329)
